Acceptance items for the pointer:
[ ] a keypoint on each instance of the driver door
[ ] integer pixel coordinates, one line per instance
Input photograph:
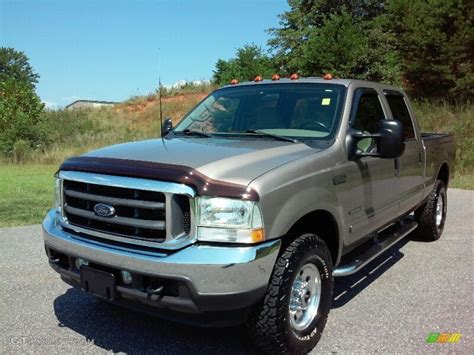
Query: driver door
(371, 201)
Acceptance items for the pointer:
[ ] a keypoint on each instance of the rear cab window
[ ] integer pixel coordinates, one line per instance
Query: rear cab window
(400, 112)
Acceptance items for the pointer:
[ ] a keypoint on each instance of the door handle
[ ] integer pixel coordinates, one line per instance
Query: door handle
(420, 158)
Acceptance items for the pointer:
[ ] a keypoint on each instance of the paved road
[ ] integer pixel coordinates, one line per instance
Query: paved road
(390, 306)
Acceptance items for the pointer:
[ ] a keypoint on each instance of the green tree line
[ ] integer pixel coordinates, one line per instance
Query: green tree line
(426, 46)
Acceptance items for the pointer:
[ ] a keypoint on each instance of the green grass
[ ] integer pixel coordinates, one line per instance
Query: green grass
(26, 193)
(465, 182)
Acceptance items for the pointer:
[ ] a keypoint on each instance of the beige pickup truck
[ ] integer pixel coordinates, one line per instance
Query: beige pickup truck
(251, 205)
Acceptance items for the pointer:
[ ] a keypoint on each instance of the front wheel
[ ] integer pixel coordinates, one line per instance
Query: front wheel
(298, 299)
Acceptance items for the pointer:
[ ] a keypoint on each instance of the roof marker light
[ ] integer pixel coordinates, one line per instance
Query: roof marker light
(294, 76)
(327, 76)
(234, 82)
(275, 77)
(258, 78)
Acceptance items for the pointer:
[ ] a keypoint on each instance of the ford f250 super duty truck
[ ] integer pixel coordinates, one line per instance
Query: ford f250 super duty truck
(248, 208)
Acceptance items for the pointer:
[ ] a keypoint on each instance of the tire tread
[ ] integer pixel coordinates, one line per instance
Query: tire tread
(425, 215)
(267, 323)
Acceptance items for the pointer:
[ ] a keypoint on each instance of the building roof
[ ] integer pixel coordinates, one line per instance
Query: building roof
(93, 102)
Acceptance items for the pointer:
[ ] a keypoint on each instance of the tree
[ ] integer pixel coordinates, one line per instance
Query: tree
(15, 65)
(435, 40)
(248, 62)
(20, 108)
(20, 117)
(288, 42)
(350, 48)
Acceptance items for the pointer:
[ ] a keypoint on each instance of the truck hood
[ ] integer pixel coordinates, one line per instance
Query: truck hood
(234, 160)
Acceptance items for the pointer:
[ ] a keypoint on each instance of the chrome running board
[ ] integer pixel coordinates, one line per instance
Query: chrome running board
(389, 239)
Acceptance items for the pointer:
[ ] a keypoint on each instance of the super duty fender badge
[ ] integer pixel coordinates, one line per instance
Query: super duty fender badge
(339, 179)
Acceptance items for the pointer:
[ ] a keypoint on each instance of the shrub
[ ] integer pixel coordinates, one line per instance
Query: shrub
(21, 151)
(442, 117)
(62, 125)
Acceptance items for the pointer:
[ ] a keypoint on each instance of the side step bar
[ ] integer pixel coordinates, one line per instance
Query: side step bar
(367, 256)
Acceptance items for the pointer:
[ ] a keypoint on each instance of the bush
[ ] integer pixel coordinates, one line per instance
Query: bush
(442, 117)
(63, 125)
(21, 151)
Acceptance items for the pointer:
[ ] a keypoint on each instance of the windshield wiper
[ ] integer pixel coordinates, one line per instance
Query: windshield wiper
(274, 136)
(190, 132)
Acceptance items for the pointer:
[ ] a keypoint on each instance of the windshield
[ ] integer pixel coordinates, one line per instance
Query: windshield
(302, 111)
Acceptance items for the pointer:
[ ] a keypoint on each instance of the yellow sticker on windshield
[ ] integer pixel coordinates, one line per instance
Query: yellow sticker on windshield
(326, 101)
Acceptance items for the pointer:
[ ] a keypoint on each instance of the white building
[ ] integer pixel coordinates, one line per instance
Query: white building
(89, 104)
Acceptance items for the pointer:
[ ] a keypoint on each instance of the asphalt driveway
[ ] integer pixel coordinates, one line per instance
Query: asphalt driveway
(412, 290)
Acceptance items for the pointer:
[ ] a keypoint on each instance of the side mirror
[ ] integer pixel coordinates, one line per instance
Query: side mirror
(167, 127)
(390, 141)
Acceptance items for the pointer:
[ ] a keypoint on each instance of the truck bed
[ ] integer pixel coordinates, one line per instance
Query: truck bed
(439, 150)
(438, 136)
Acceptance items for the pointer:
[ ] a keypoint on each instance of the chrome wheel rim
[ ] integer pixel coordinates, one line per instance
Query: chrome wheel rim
(305, 297)
(439, 211)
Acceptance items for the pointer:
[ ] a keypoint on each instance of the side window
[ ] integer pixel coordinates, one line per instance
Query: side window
(368, 112)
(400, 112)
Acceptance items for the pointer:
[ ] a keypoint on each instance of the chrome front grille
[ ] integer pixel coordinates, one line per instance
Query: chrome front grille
(138, 214)
(146, 212)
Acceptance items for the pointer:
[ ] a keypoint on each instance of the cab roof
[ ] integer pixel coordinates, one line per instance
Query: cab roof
(319, 80)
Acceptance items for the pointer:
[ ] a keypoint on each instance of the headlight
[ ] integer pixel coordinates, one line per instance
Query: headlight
(229, 220)
(57, 193)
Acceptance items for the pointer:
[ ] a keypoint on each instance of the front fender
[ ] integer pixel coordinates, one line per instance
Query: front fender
(289, 192)
(283, 207)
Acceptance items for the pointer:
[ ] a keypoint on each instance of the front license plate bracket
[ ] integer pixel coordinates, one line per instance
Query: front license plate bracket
(99, 283)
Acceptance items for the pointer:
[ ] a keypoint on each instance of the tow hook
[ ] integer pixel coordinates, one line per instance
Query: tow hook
(154, 292)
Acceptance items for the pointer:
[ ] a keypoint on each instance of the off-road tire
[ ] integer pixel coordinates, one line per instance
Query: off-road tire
(269, 325)
(425, 215)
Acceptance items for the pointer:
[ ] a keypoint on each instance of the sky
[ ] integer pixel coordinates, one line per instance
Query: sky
(108, 50)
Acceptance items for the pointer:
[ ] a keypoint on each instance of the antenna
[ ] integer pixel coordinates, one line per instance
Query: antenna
(159, 93)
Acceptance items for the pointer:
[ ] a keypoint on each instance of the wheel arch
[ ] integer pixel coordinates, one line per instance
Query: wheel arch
(443, 173)
(322, 223)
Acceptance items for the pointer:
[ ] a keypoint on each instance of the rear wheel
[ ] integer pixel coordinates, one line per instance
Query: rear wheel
(431, 216)
(298, 299)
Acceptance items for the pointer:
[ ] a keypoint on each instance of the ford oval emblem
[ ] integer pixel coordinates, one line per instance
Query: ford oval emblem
(103, 210)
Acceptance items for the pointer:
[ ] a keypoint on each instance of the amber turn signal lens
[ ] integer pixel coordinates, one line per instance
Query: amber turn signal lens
(327, 76)
(294, 76)
(275, 77)
(234, 82)
(258, 235)
(258, 78)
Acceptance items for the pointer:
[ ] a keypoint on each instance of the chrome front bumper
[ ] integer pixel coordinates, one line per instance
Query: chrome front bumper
(210, 271)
